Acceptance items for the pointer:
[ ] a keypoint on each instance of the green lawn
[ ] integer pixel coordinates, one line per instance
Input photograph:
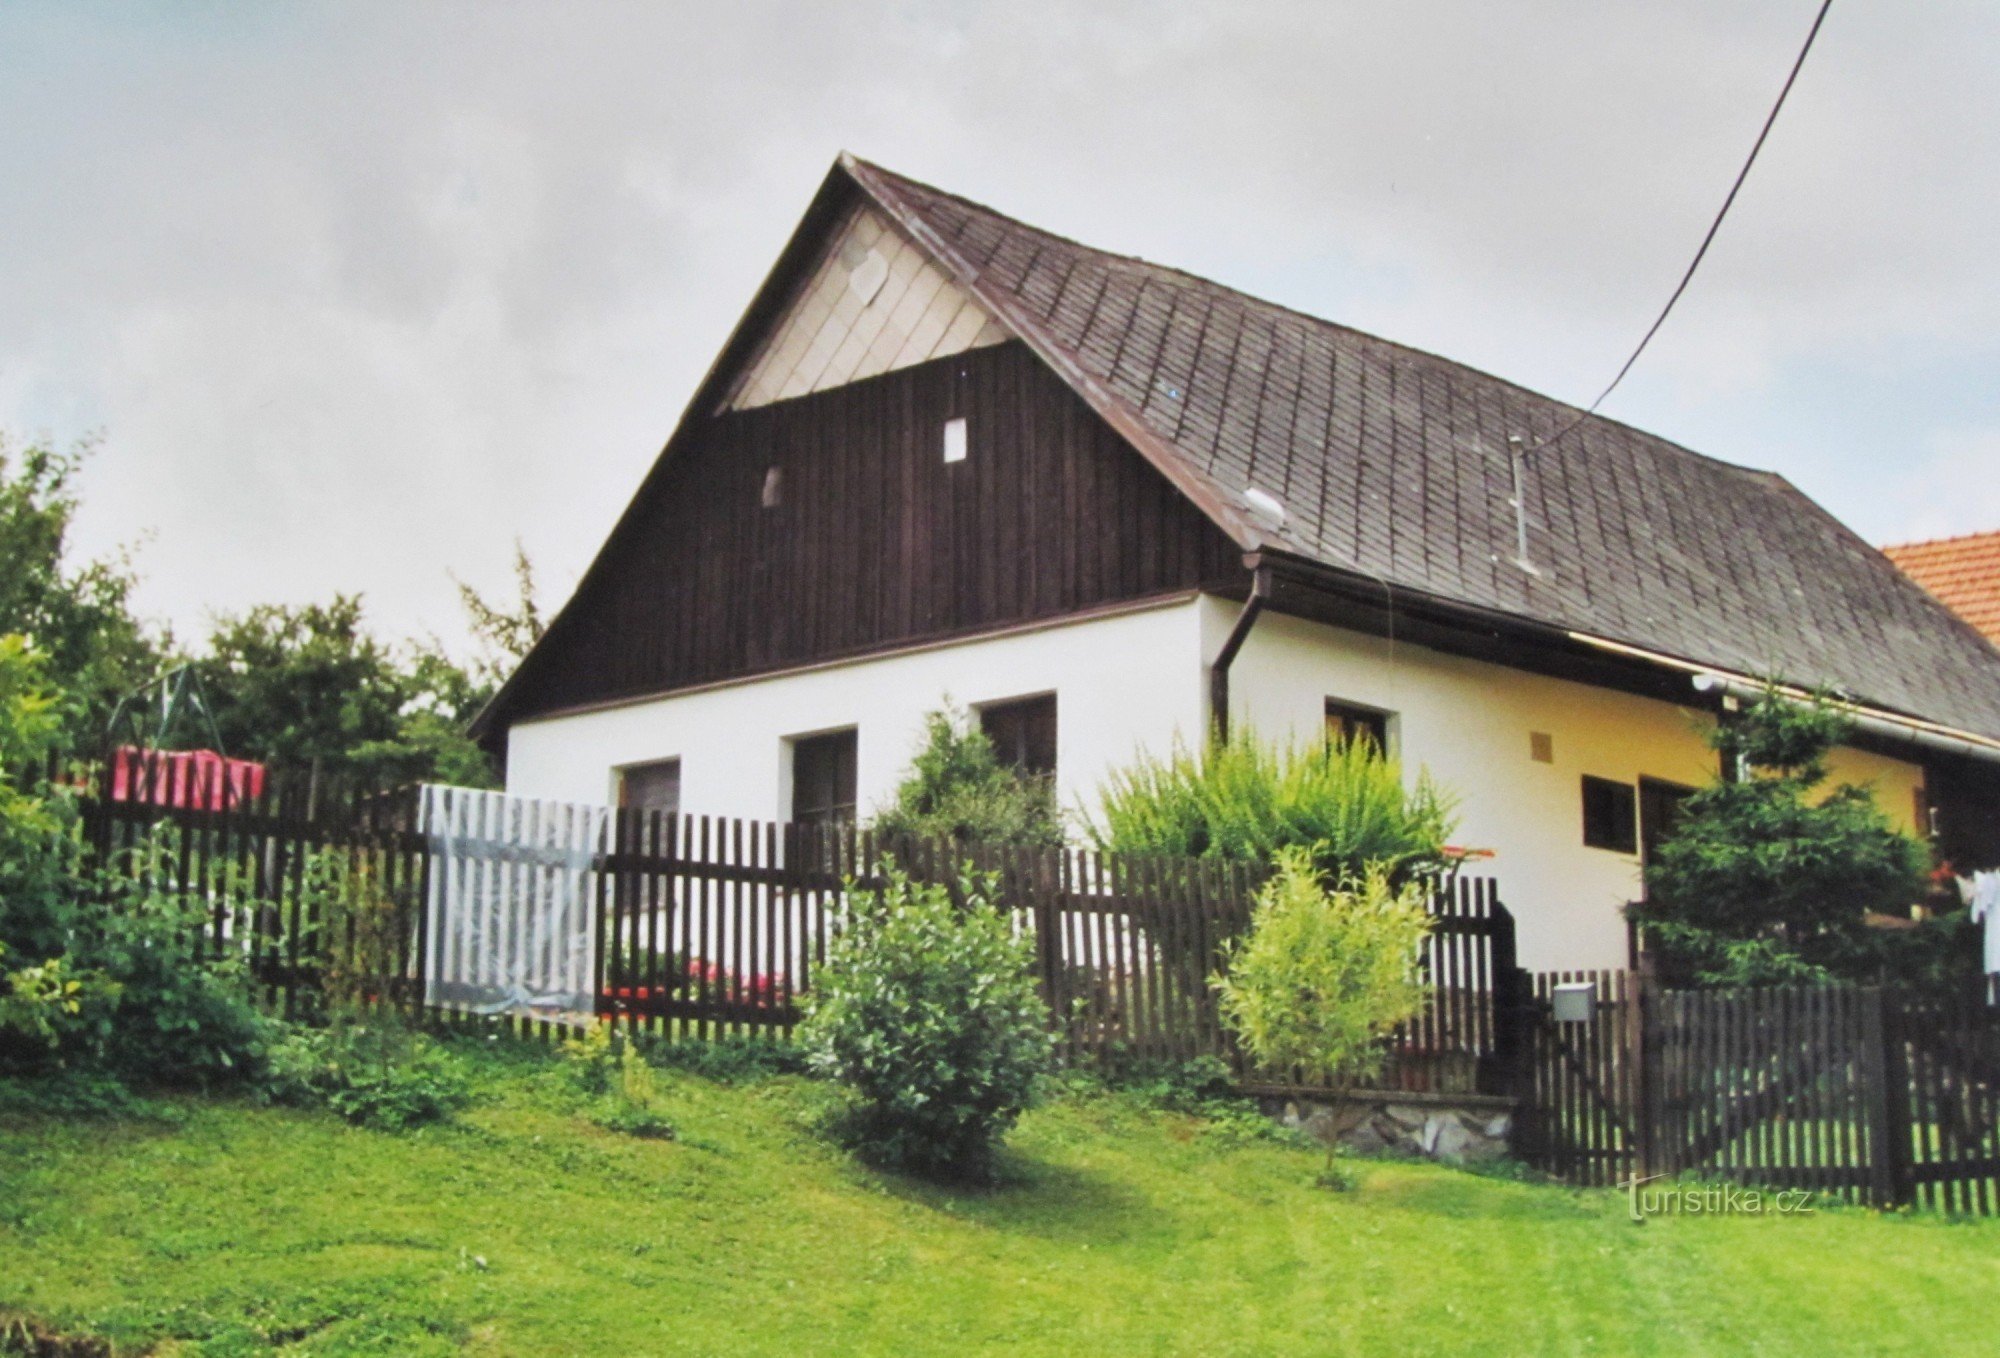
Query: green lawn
(524, 1230)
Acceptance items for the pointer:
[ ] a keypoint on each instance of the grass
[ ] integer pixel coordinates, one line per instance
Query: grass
(224, 1228)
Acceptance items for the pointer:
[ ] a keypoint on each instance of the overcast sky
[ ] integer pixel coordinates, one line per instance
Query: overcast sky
(357, 294)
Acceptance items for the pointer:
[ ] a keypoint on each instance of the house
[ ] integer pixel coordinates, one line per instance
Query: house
(1962, 572)
(1106, 503)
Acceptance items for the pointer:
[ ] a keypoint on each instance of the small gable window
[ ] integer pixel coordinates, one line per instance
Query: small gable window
(1610, 815)
(774, 487)
(954, 440)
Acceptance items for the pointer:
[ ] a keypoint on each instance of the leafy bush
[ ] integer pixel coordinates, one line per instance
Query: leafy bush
(1323, 975)
(1244, 801)
(375, 1073)
(607, 1066)
(1768, 878)
(101, 972)
(927, 1013)
(958, 790)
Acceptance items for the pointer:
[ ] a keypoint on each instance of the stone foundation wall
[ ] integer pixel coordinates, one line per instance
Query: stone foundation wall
(1457, 1129)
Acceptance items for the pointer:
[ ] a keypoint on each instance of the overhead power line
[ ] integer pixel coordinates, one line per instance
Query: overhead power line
(1706, 240)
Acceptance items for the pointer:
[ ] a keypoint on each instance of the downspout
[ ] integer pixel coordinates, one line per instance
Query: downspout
(1218, 673)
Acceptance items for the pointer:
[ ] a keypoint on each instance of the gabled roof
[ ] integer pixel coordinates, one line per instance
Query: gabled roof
(1962, 572)
(1393, 464)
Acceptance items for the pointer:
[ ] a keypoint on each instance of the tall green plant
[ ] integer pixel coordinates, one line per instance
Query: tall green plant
(1245, 800)
(959, 790)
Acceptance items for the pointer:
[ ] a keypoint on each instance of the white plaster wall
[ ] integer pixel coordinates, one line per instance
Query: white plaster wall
(1139, 679)
(1119, 680)
(1469, 723)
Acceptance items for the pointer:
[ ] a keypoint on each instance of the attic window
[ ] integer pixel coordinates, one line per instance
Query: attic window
(774, 487)
(954, 440)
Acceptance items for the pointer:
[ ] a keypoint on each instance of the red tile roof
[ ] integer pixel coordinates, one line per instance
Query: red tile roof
(1963, 572)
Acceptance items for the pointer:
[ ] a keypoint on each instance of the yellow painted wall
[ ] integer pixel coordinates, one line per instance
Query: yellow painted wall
(1470, 724)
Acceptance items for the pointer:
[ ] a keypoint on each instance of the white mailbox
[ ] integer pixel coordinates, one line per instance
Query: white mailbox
(1575, 1002)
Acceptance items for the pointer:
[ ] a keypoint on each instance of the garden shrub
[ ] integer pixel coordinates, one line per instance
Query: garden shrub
(101, 970)
(927, 1014)
(1323, 974)
(607, 1066)
(959, 790)
(374, 1072)
(1243, 801)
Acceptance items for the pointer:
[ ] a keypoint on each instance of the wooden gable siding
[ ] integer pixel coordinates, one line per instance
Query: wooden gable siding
(829, 336)
(875, 540)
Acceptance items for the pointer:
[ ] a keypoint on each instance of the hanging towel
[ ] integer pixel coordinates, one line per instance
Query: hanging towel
(1982, 893)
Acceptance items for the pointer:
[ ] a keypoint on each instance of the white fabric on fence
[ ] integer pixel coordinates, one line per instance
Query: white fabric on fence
(511, 908)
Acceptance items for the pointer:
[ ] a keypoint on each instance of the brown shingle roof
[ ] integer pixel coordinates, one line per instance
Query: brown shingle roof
(1393, 463)
(1963, 572)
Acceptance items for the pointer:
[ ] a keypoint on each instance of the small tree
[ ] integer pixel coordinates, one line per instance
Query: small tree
(927, 1012)
(959, 790)
(1769, 876)
(1323, 975)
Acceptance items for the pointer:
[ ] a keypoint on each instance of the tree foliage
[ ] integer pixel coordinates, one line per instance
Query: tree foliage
(927, 1012)
(958, 789)
(78, 613)
(1768, 877)
(506, 632)
(1345, 803)
(310, 685)
(1323, 975)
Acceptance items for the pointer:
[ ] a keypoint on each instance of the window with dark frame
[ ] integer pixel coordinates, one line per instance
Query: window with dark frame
(1346, 722)
(654, 786)
(1610, 815)
(1023, 733)
(823, 778)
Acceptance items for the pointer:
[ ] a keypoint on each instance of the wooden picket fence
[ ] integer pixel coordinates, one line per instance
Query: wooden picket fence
(707, 927)
(1872, 1094)
(703, 927)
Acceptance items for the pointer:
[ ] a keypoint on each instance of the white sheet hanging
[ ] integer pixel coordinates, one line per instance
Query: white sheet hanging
(1981, 892)
(511, 907)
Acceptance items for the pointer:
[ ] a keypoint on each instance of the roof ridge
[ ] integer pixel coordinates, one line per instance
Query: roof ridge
(1944, 541)
(1589, 417)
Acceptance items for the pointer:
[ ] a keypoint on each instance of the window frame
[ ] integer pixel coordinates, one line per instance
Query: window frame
(1626, 841)
(1374, 721)
(844, 743)
(624, 774)
(1027, 708)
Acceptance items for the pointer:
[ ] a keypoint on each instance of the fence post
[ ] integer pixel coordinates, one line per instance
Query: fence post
(1643, 1039)
(1888, 1100)
(1513, 1021)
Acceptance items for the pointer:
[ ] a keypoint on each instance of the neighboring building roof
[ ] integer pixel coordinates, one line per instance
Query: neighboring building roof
(1393, 464)
(1963, 572)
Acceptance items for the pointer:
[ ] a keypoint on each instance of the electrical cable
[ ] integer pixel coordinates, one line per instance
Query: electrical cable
(1706, 240)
